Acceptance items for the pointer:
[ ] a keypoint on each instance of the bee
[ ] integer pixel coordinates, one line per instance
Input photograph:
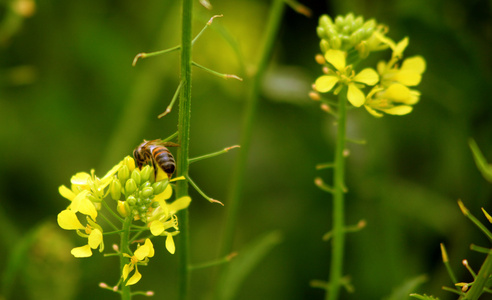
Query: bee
(156, 153)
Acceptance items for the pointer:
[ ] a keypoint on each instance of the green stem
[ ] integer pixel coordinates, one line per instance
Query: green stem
(124, 242)
(237, 181)
(238, 176)
(184, 141)
(338, 238)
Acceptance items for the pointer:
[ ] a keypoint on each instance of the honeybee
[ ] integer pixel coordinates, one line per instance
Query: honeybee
(156, 153)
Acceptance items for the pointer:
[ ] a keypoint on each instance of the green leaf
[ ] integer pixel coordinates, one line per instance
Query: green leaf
(403, 291)
(245, 262)
(482, 164)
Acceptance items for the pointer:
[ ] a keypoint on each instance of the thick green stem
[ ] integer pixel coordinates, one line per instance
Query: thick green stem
(183, 150)
(338, 240)
(238, 176)
(124, 242)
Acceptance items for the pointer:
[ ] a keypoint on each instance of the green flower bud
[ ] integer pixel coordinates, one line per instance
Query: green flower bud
(325, 21)
(136, 176)
(321, 32)
(145, 184)
(155, 204)
(131, 200)
(324, 46)
(160, 186)
(335, 42)
(146, 172)
(123, 174)
(130, 163)
(339, 21)
(130, 186)
(123, 208)
(147, 192)
(115, 189)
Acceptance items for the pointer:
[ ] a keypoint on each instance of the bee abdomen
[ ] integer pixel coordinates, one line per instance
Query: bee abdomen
(164, 159)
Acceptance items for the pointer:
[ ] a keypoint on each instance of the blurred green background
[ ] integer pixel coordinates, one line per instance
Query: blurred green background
(70, 101)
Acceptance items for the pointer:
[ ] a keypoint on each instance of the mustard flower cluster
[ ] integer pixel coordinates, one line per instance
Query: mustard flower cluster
(347, 41)
(138, 198)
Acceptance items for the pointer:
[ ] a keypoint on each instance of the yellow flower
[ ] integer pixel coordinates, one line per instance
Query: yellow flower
(394, 100)
(409, 74)
(344, 74)
(141, 255)
(67, 219)
(164, 218)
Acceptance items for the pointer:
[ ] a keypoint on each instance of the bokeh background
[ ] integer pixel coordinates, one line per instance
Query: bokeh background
(71, 101)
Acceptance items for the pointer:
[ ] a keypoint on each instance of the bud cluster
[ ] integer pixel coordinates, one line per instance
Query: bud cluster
(138, 188)
(346, 33)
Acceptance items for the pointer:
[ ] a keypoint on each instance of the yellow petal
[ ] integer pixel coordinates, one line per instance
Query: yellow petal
(80, 178)
(325, 83)
(179, 204)
(76, 202)
(156, 228)
(84, 251)
(408, 77)
(126, 270)
(135, 278)
(414, 97)
(161, 175)
(367, 76)
(381, 67)
(336, 58)
(397, 92)
(415, 63)
(95, 238)
(373, 112)
(355, 96)
(400, 47)
(87, 208)
(170, 244)
(146, 250)
(68, 220)
(66, 192)
(398, 110)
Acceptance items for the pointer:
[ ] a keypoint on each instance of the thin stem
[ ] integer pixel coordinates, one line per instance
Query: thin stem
(184, 141)
(239, 173)
(338, 238)
(210, 155)
(221, 75)
(238, 176)
(124, 242)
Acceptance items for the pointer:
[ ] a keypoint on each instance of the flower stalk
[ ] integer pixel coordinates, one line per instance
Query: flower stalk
(184, 140)
(338, 238)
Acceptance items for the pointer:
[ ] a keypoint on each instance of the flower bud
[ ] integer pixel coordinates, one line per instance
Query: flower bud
(115, 189)
(123, 174)
(147, 192)
(136, 176)
(160, 186)
(146, 172)
(123, 208)
(131, 200)
(325, 21)
(145, 184)
(130, 163)
(130, 186)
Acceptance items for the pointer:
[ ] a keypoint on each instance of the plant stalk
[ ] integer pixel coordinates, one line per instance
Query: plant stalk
(338, 239)
(124, 242)
(237, 180)
(183, 150)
